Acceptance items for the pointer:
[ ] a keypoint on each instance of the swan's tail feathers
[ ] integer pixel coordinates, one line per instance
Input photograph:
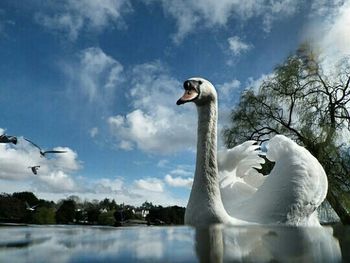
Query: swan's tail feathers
(239, 164)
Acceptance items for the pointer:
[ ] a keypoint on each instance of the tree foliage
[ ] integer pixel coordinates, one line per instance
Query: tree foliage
(66, 212)
(14, 209)
(306, 102)
(44, 215)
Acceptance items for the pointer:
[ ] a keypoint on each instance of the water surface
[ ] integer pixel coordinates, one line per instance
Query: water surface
(173, 244)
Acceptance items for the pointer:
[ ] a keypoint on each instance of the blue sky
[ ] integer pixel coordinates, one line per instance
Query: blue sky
(100, 79)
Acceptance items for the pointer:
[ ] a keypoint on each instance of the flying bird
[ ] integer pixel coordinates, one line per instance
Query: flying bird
(43, 153)
(34, 169)
(8, 139)
(30, 208)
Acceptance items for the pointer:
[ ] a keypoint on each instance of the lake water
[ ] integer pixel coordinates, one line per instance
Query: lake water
(174, 244)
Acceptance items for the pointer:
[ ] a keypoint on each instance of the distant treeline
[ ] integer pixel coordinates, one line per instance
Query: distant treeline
(25, 207)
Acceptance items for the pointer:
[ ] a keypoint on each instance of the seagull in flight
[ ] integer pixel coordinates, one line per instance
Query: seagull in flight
(34, 169)
(42, 153)
(8, 139)
(30, 208)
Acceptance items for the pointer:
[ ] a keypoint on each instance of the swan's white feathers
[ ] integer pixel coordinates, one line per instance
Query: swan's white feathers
(241, 162)
(228, 189)
(291, 193)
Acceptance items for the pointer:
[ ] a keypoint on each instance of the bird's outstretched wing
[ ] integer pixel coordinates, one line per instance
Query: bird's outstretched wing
(37, 146)
(54, 151)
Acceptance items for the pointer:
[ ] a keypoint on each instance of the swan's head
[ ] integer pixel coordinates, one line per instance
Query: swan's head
(199, 91)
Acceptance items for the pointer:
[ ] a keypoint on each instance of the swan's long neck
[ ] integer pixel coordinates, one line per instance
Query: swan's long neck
(205, 204)
(206, 174)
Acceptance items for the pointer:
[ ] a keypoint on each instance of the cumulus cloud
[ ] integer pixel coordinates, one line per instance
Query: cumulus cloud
(329, 30)
(93, 80)
(255, 84)
(324, 7)
(237, 46)
(181, 176)
(150, 184)
(108, 186)
(227, 89)
(98, 74)
(56, 182)
(155, 124)
(53, 174)
(72, 17)
(178, 181)
(191, 15)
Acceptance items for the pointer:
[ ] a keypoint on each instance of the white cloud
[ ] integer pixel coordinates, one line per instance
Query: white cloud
(324, 7)
(180, 177)
(108, 186)
(237, 46)
(228, 88)
(150, 184)
(56, 182)
(71, 16)
(155, 124)
(178, 181)
(328, 31)
(53, 174)
(98, 74)
(181, 172)
(125, 145)
(67, 162)
(93, 132)
(191, 15)
(93, 82)
(255, 84)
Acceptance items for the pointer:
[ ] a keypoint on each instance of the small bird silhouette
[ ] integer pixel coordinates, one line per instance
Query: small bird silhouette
(8, 139)
(34, 169)
(42, 153)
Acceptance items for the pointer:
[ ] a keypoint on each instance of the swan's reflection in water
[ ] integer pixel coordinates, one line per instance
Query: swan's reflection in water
(170, 244)
(266, 244)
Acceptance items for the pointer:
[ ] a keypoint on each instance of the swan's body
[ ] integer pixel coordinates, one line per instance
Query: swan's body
(290, 194)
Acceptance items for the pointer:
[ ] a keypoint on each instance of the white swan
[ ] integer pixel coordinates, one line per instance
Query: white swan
(296, 186)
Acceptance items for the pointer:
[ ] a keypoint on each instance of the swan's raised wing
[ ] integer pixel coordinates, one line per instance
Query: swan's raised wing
(238, 174)
(296, 186)
(239, 164)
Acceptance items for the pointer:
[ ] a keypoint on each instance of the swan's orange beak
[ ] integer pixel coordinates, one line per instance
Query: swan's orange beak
(188, 96)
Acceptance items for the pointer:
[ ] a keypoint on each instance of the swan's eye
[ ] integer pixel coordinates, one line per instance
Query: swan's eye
(188, 92)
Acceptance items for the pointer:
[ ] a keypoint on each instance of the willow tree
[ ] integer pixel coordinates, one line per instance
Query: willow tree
(306, 102)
